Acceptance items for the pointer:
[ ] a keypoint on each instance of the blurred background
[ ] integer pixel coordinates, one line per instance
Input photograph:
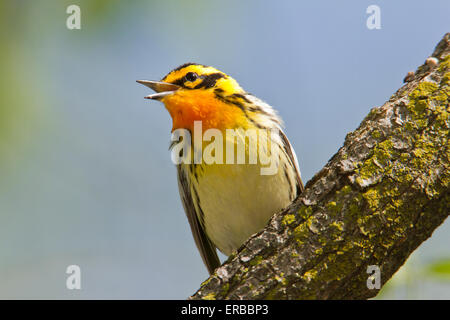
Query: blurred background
(86, 176)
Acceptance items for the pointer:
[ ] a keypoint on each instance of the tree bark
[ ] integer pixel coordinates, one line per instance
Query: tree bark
(377, 199)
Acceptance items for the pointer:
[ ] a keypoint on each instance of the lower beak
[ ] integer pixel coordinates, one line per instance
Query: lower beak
(162, 88)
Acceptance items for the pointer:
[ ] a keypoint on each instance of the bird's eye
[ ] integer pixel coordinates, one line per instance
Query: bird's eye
(191, 76)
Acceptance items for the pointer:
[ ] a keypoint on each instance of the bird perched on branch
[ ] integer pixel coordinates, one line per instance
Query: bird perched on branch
(226, 200)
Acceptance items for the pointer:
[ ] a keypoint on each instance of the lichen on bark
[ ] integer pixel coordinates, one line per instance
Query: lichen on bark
(376, 200)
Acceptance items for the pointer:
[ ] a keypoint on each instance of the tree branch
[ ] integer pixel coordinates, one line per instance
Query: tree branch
(377, 199)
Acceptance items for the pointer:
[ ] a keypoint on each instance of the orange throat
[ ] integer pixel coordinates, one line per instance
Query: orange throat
(187, 106)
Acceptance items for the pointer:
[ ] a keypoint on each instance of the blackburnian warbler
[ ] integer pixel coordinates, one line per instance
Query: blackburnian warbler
(226, 201)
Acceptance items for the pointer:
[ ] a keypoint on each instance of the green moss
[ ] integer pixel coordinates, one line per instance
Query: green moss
(423, 90)
(300, 233)
(373, 198)
(272, 294)
(345, 190)
(275, 292)
(334, 268)
(304, 211)
(209, 296)
(404, 157)
(427, 101)
(376, 134)
(363, 230)
(288, 219)
(445, 64)
(331, 205)
(377, 163)
(225, 289)
(418, 152)
(256, 260)
(308, 276)
(367, 171)
(383, 151)
(380, 162)
(354, 208)
(334, 208)
(280, 278)
(423, 153)
(204, 283)
(338, 225)
(311, 223)
(445, 78)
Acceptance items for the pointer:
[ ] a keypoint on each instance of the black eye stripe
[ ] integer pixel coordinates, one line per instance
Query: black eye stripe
(191, 76)
(179, 82)
(208, 81)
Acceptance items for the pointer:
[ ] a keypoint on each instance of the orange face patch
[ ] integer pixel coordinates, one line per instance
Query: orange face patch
(198, 100)
(186, 106)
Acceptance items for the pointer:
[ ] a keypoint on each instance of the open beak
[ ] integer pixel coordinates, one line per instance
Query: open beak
(162, 88)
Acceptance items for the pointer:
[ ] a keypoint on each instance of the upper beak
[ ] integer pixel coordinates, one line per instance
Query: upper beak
(162, 88)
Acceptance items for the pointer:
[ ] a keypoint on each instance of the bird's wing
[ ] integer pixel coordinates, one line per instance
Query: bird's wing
(293, 158)
(204, 244)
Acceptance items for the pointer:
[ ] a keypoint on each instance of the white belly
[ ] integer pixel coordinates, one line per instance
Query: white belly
(237, 201)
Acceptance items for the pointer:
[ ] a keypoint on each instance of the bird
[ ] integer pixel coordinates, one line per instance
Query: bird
(226, 203)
